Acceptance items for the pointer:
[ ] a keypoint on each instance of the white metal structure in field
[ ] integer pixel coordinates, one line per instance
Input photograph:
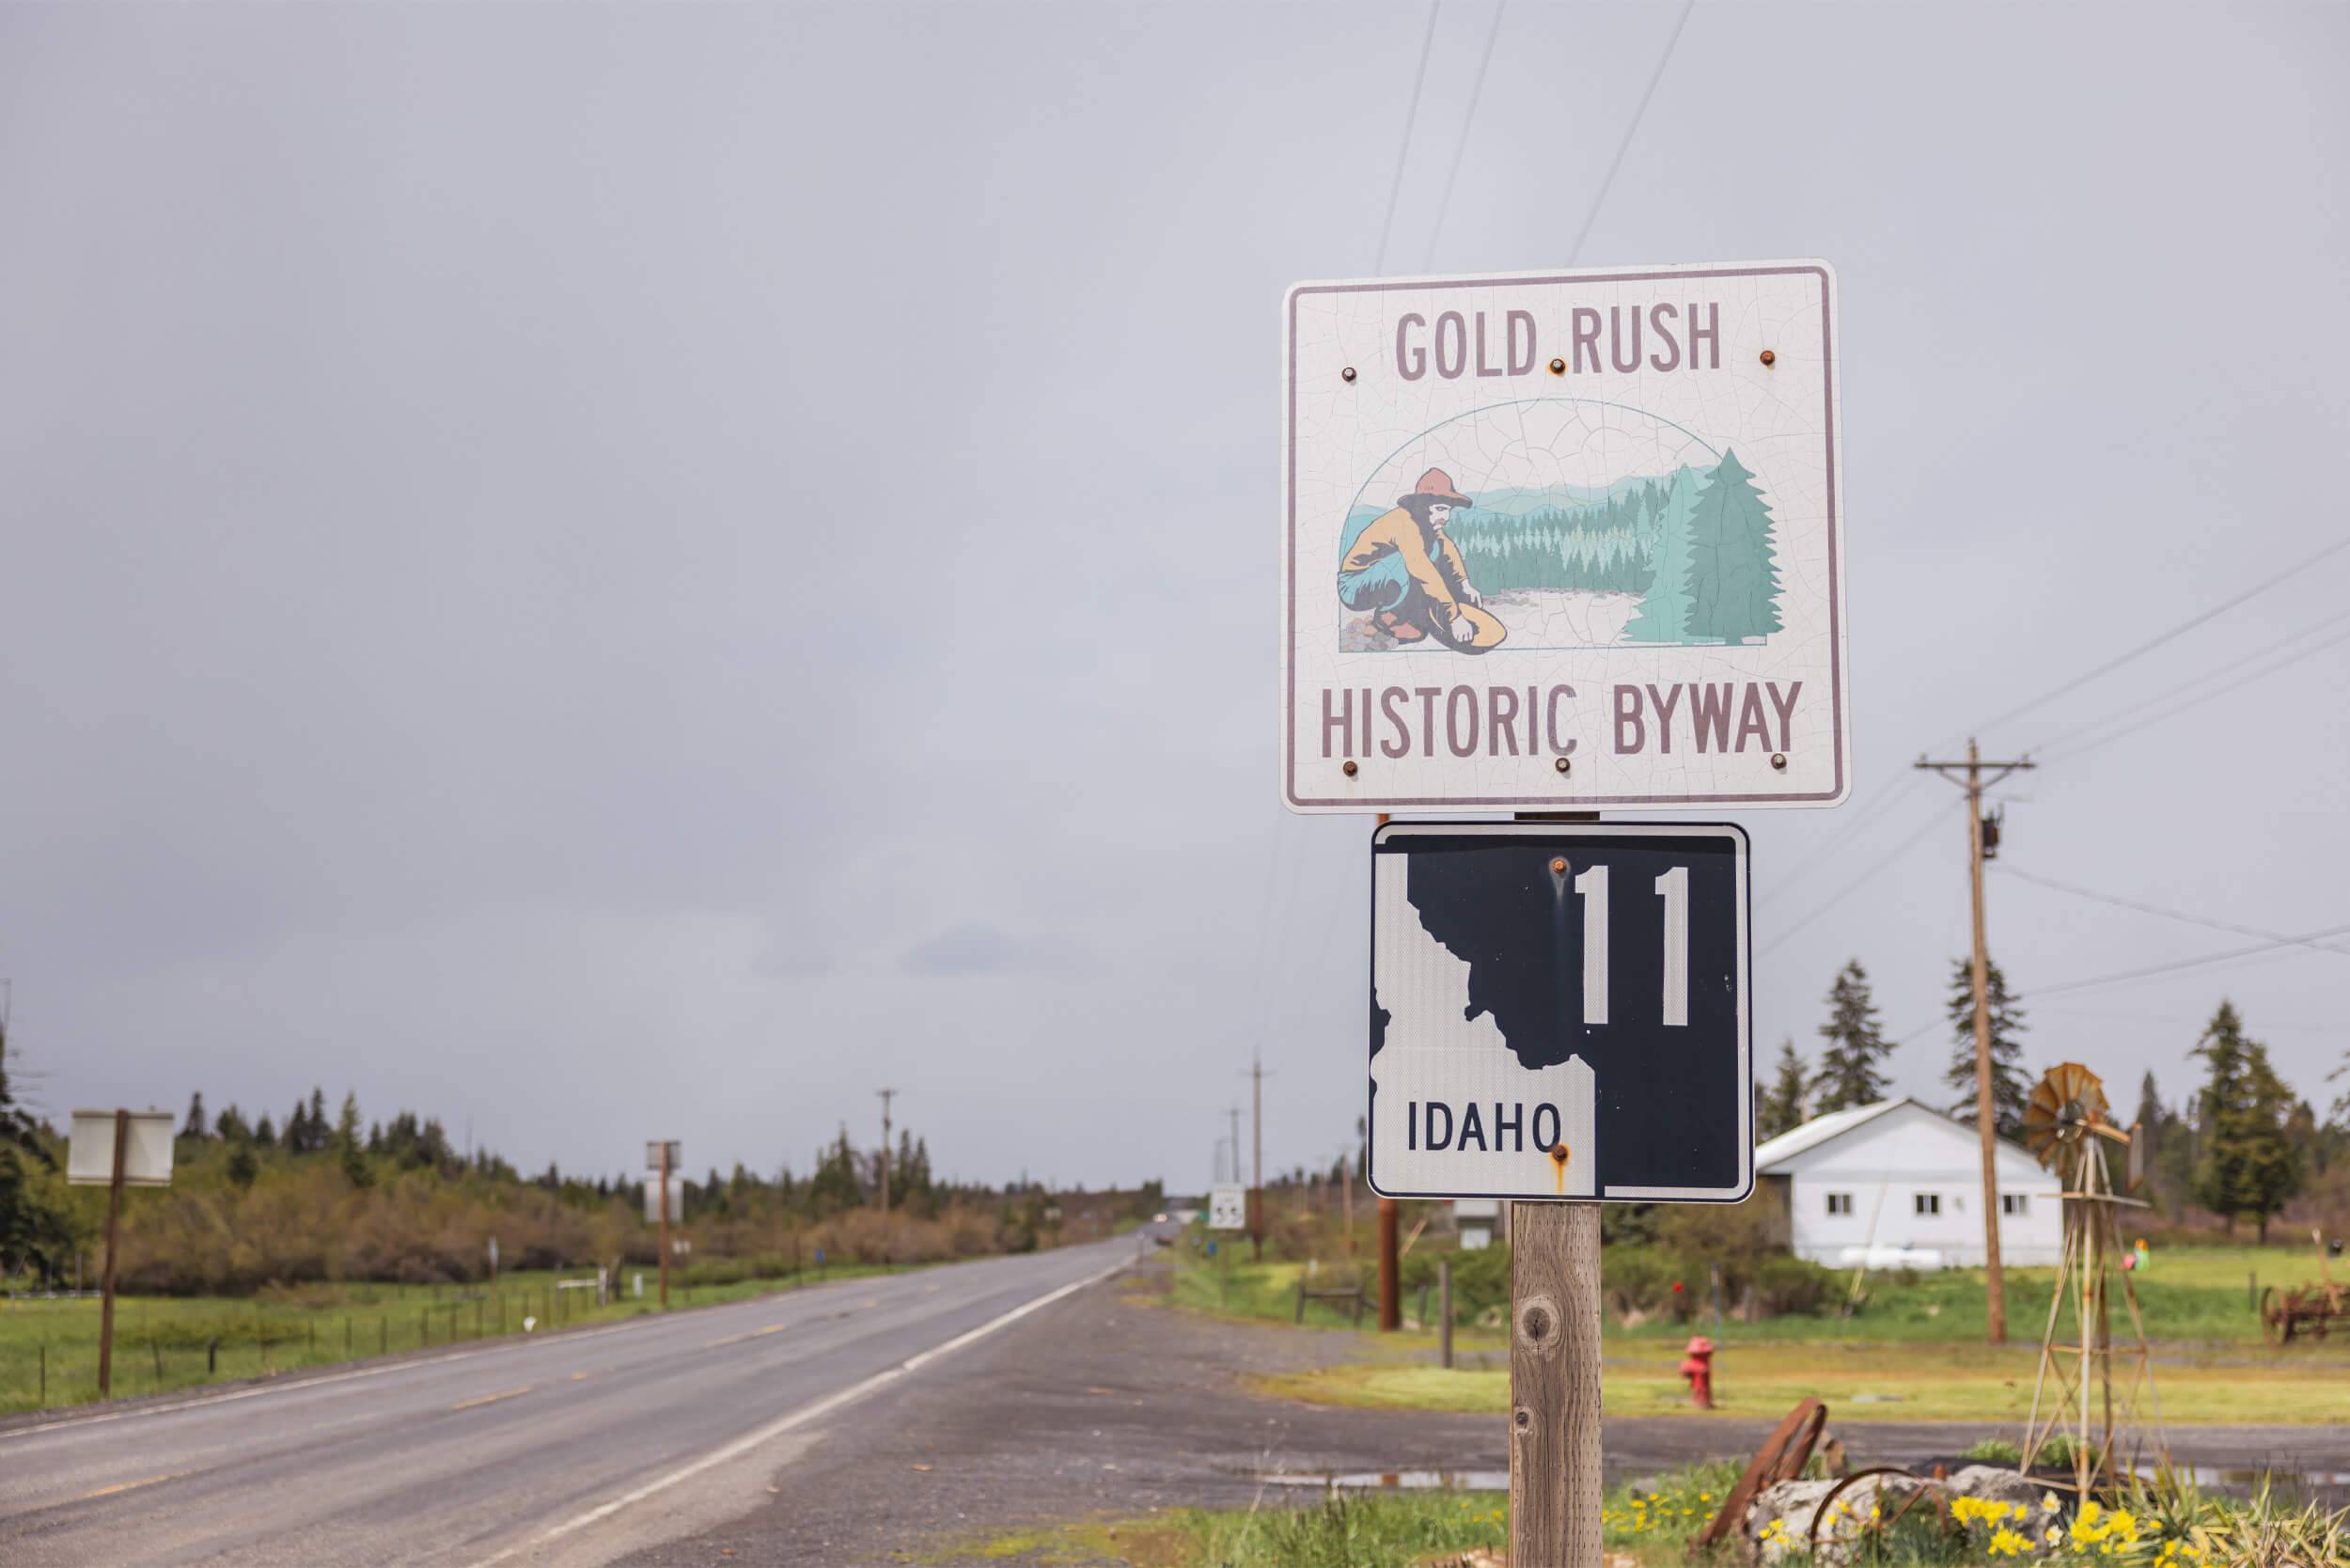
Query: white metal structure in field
(1899, 1184)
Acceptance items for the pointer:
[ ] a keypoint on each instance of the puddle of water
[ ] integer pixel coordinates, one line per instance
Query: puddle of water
(1387, 1481)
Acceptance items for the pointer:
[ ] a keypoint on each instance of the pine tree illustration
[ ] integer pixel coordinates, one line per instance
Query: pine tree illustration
(1734, 578)
(1664, 613)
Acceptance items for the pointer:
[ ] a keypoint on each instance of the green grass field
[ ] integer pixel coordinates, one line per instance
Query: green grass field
(1914, 1350)
(48, 1348)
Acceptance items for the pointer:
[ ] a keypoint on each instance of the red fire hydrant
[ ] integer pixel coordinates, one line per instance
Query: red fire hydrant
(1697, 1365)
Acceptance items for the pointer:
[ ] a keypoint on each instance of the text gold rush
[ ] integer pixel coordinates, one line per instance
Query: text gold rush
(1534, 721)
(1454, 347)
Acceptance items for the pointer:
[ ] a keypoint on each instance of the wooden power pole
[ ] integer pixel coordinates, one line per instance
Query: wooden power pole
(662, 1202)
(1256, 1168)
(1986, 1118)
(887, 1095)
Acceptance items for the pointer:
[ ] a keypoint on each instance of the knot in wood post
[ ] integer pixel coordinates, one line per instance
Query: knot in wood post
(1538, 1326)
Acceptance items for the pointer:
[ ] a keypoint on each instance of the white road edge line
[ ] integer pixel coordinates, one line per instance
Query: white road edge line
(804, 1413)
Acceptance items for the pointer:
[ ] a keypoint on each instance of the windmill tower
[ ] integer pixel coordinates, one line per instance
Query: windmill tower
(2067, 1126)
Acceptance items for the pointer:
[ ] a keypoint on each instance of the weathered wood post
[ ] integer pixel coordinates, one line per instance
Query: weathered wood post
(1554, 1386)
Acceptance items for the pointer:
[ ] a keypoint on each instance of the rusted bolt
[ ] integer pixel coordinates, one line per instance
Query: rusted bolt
(1557, 366)
(1564, 764)
(1768, 358)
(1348, 767)
(1558, 867)
(1558, 1152)
(1779, 760)
(1347, 374)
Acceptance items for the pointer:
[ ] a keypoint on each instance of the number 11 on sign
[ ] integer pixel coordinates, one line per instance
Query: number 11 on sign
(1673, 887)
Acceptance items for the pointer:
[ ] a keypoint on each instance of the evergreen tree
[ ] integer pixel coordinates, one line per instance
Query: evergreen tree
(1733, 580)
(2247, 1166)
(1848, 1073)
(265, 1131)
(2010, 1085)
(348, 1148)
(836, 1185)
(32, 1235)
(297, 1134)
(1781, 1107)
(229, 1126)
(1664, 612)
(194, 1126)
(243, 1167)
(319, 1131)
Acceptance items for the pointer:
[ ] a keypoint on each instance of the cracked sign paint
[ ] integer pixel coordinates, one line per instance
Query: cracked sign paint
(1558, 540)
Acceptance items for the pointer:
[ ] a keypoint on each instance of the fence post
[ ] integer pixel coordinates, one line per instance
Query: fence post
(44, 1374)
(1443, 1307)
(314, 1337)
(383, 1335)
(155, 1345)
(211, 1356)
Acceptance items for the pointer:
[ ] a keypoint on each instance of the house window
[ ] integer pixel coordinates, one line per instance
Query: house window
(2014, 1203)
(1840, 1203)
(1928, 1202)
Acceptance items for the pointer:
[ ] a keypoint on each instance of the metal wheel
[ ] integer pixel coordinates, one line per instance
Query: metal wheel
(2276, 1320)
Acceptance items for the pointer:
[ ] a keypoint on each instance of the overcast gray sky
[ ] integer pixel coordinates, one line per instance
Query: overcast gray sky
(615, 572)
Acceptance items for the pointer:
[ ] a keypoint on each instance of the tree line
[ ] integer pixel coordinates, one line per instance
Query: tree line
(318, 1198)
(2238, 1146)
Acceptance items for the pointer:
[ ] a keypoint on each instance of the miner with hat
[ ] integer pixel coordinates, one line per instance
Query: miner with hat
(1405, 571)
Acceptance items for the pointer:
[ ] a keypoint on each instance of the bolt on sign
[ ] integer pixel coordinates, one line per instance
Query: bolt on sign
(1563, 541)
(1560, 1010)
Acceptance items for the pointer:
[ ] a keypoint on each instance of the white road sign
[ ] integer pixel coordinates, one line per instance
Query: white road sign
(89, 1157)
(1563, 539)
(1228, 1207)
(1560, 1010)
(655, 1192)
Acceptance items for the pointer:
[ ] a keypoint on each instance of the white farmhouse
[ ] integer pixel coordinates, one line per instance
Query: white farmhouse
(1898, 1183)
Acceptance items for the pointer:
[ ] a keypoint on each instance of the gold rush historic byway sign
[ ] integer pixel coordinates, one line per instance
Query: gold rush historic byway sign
(1563, 541)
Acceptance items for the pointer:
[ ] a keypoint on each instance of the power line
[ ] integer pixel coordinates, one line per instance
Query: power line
(2166, 914)
(2091, 726)
(1395, 187)
(2178, 708)
(1848, 835)
(1626, 145)
(1838, 897)
(1459, 148)
(2149, 646)
(2305, 939)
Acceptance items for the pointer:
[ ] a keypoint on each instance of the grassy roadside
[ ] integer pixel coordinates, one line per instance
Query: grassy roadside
(167, 1343)
(1914, 1350)
(1649, 1523)
(1861, 1381)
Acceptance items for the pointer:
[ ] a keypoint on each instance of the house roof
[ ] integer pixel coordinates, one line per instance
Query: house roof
(1770, 1158)
(1819, 1130)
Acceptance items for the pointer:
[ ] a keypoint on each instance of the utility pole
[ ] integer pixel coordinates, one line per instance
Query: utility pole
(1235, 1140)
(662, 1202)
(1256, 1175)
(1994, 1282)
(885, 1095)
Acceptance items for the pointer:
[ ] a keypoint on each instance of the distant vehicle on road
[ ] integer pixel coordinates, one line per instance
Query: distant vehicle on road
(1159, 1218)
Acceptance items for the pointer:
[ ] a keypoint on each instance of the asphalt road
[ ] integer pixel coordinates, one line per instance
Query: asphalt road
(572, 1448)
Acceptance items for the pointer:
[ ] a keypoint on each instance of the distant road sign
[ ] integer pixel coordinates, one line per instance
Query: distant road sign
(89, 1158)
(676, 1191)
(1560, 1010)
(1228, 1207)
(1563, 539)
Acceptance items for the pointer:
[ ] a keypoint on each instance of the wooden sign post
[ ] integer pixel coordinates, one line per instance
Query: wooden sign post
(114, 1149)
(1554, 1386)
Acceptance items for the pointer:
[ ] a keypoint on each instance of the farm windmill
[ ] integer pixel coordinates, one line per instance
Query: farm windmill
(2067, 1127)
